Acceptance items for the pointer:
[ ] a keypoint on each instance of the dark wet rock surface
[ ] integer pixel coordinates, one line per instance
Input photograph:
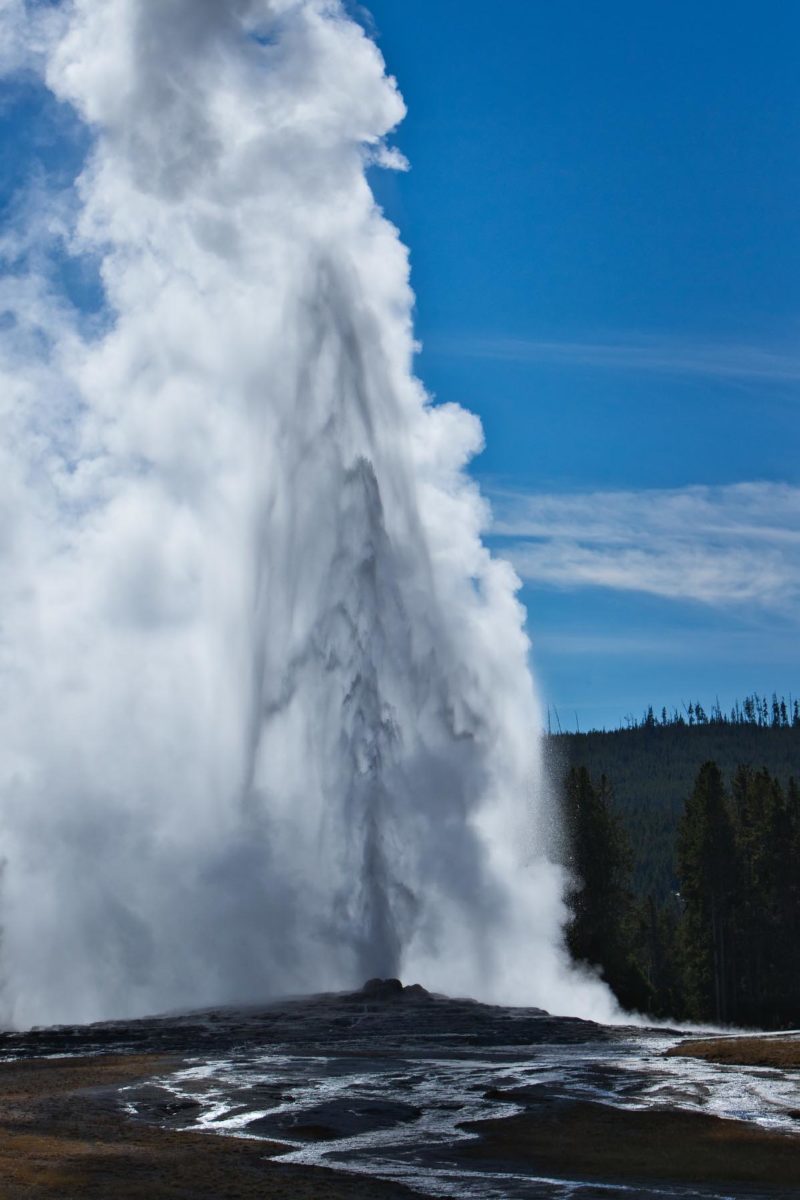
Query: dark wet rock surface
(336, 1119)
(383, 1011)
(455, 1098)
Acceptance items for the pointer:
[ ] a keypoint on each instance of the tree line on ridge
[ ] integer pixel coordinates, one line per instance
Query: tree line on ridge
(721, 942)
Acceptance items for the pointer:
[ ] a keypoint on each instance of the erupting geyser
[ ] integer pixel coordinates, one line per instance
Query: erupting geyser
(267, 723)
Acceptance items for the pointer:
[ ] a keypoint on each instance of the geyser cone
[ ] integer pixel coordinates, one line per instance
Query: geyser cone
(273, 727)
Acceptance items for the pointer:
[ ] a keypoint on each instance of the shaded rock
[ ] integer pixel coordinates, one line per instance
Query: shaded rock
(382, 989)
(335, 1119)
(392, 989)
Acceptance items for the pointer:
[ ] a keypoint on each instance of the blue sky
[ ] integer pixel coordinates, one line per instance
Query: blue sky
(603, 217)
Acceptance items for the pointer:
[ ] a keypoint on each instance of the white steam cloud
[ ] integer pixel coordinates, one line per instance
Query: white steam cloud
(267, 723)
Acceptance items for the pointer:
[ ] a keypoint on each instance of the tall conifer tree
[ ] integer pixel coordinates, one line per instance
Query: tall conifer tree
(707, 872)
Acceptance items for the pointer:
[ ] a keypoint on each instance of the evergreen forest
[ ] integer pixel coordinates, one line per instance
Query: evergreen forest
(684, 848)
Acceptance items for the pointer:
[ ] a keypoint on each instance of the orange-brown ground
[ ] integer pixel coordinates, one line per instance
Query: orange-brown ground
(62, 1137)
(587, 1141)
(743, 1051)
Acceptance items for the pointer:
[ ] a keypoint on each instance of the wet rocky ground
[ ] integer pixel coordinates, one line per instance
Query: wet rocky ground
(391, 1091)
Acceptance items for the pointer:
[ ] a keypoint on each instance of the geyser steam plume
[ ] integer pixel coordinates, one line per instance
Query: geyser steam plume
(267, 723)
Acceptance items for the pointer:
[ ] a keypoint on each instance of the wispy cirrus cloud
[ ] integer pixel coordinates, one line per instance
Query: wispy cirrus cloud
(657, 355)
(724, 546)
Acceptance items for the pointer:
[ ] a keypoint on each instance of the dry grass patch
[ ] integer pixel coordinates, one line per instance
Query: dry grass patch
(582, 1140)
(743, 1051)
(63, 1137)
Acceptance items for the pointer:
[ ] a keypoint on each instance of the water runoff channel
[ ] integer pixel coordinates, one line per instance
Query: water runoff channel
(389, 1085)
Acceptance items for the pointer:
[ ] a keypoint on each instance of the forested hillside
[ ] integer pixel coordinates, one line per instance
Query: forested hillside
(684, 848)
(651, 767)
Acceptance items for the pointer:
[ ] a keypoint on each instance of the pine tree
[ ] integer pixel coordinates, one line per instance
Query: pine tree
(657, 953)
(707, 872)
(603, 925)
(768, 916)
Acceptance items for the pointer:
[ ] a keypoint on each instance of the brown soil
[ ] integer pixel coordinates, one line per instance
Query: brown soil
(592, 1141)
(743, 1051)
(62, 1137)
